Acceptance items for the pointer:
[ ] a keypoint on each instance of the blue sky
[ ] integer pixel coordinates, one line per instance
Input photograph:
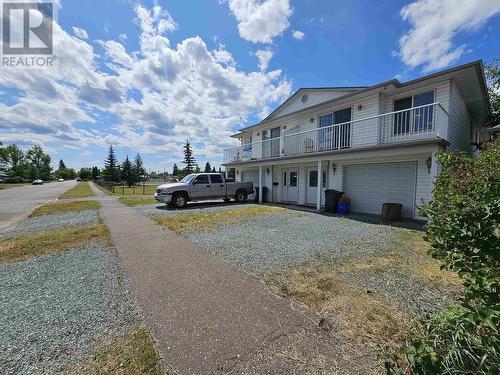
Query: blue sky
(145, 76)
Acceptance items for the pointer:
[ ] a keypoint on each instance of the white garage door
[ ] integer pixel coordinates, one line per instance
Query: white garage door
(370, 185)
(251, 175)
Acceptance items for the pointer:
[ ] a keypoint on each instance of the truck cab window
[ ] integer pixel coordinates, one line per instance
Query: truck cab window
(201, 179)
(216, 179)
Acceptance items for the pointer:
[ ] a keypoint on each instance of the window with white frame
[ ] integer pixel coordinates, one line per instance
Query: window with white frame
(409, 119)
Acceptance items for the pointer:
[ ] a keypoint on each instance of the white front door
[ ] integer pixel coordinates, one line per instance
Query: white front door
(312, 185)
(290, 185)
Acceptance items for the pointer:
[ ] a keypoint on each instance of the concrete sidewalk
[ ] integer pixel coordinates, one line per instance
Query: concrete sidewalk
(205, 315)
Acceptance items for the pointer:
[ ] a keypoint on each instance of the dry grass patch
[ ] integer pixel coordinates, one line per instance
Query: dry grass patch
(190, 221)
(409, 255)
(51, 241)
(81, 190)
(60, 207)
(367, 318)
(137, 200)
(131, 354)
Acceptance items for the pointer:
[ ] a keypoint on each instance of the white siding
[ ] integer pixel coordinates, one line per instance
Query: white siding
(459, 133)
(366, 132)
(315, 97)
(424, 186)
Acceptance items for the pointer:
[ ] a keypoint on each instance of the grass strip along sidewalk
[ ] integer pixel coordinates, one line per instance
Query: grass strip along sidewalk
(82, 190)
(208, 220)
(51, 241)
(59, 207)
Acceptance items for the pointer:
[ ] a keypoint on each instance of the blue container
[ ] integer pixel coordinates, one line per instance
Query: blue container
(343, 208)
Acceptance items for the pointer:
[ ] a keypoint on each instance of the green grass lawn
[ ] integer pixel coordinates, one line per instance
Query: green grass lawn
(135, 190)
(81, 190)
(54, 208)
(51, 241)
(137, 200)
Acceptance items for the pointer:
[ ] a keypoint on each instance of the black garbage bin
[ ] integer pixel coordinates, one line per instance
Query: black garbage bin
(332, 199)
(264, 194)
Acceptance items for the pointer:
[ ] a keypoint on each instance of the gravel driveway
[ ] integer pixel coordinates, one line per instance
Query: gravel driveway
(55, 308)
(270, 243)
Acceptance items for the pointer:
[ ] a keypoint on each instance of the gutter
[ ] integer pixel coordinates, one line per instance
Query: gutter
(314, 155)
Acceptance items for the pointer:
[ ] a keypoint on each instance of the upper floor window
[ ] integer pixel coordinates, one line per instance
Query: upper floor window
(409, 120)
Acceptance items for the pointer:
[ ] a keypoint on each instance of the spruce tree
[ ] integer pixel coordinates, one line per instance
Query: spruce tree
(126, 172)
(111, 171)
(175, 170)
(208, 168)
(138, 169)
(61, 164)
(189, 160)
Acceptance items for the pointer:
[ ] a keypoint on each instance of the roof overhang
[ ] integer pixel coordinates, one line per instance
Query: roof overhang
(469, 78)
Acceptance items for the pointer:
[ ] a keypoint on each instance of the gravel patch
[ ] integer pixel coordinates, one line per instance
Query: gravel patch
(56, 308)
(271, 242)
(86, 218)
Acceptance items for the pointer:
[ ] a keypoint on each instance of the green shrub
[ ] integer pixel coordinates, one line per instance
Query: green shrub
(15, 180)
(464, 233)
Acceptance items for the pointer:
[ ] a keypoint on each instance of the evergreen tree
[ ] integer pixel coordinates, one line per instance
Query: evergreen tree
(197, 169)
(138, 169)
(213, 170)
(111, 168)
(127, 173)
(61, 164)
(95, 173)
(208, 168)
(189, 160)
(175, 170)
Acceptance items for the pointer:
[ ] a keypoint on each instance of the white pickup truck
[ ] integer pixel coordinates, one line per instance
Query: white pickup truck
(202, 186)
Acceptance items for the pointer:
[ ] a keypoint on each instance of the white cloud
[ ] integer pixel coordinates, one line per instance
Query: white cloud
(297, 34)
(80, 33)
(123, 37)
(434, 23)
(264, 56)
(261, 20)
(159, 95)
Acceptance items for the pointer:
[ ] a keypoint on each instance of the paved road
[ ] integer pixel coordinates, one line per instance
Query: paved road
(16, 203)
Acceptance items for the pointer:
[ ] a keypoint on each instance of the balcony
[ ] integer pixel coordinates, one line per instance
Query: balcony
(417, 123)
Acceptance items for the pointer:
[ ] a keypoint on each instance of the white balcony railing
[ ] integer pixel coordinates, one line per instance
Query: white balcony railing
(422, 122)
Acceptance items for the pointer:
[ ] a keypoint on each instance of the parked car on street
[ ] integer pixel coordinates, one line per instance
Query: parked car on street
(202, 186)
(60, 180)
(37, 182)
(78, 179)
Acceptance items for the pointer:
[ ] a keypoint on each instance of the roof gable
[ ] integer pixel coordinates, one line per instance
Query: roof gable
(308, 97)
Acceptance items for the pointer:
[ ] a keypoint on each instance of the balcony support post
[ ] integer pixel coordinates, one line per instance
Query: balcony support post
(320, 184)
(260, 183)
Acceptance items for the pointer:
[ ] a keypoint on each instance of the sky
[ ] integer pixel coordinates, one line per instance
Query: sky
(145, 75)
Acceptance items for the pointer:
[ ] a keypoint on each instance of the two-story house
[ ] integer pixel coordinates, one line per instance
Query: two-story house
(377, 144)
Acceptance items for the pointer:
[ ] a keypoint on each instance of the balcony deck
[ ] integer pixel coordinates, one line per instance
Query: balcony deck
(413, 124)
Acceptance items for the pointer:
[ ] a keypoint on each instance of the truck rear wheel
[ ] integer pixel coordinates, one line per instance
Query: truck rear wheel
(179, 200)
(240, 196)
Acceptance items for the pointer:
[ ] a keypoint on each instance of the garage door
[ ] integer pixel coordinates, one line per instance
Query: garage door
(250, 176)
(370, 185)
